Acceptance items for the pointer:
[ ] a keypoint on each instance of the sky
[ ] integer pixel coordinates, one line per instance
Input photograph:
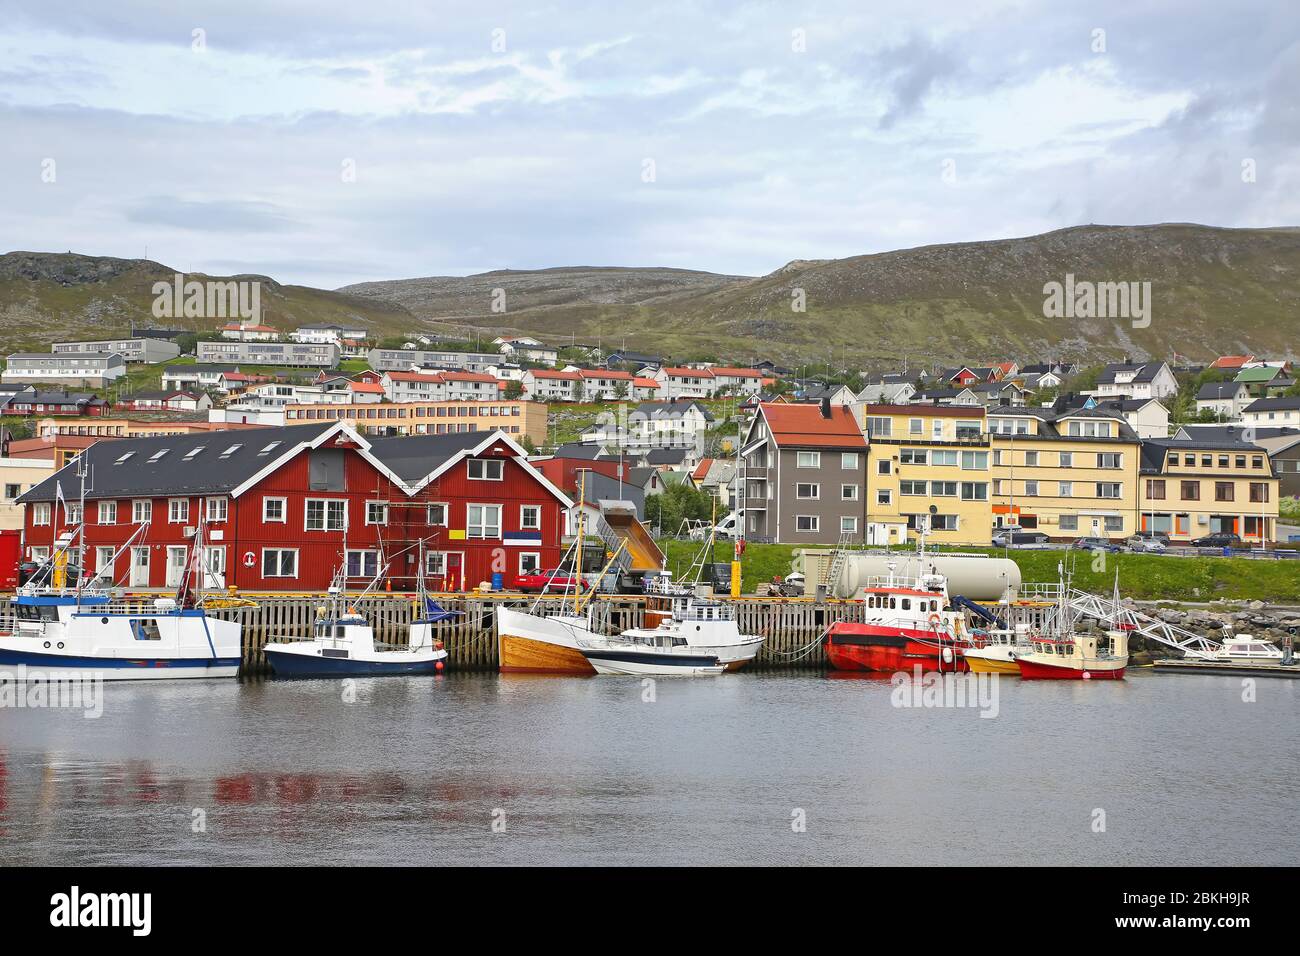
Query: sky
(325, 143)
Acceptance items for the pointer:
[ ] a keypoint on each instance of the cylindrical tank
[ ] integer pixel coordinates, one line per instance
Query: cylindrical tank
(976, 576)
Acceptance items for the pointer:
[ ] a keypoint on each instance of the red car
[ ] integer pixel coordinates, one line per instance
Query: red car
(552, 581)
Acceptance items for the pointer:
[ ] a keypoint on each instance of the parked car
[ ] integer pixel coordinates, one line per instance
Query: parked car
(1220, 539)
(1021, 539)
(1160, 536)
(1095, 544)
(541, 582)
(1146, 545)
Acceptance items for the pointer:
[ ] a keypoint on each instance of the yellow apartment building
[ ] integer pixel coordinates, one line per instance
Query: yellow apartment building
(516, 418)
(1193, 488)
(920, 456)
(1068, 474)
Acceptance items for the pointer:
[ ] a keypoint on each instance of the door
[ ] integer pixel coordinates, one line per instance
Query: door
(175, 565)
(454, 571)
(140, 567)
(214, 567)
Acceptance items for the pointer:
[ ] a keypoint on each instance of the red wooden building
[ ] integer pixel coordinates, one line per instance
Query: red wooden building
(278, 504)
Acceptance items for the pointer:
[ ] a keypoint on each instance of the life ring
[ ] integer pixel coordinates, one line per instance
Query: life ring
(935, 621)
(250, 559)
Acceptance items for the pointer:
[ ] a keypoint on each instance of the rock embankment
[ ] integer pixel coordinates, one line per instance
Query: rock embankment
(1254, 618)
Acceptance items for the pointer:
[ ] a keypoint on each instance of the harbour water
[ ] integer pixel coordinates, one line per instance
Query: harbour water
(753, 768)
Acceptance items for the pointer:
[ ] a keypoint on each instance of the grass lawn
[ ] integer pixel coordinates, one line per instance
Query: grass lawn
(1146, 577)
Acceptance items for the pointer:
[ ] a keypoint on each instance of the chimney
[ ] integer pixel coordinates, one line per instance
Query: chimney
(826, 407)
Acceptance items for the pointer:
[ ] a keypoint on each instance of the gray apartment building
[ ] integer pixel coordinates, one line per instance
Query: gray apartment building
(293, 354)
(147, 350)
(804, 471)
(96, 369)
(401, 360)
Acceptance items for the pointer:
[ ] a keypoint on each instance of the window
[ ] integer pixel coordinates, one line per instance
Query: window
(108, 512)
(807, 523)
(968, 430)
(808, 491)
(849, 460)
(1156, 489)
(362, 563)
(975, 461)
(274, 510)
(1114, 523)
(74, 514)
(912, 488)
(326, 514)
(41, 513)
(1031, 459)
(141, 511)
(435, 562)
(879, 427)
(884, 466)
(1109, 459)
(884, 496)
(1190, 490)
(943, 457)
(943, 489)
(848, 525)
(158, 454)
(124, 458)
(1224, 491)
(1031, 489)
(808, 459)
(974, 491)
(230, 451)
(1108, 489)
(1258, 492)
(218, 508)
(1069, 522)
(104, 561)
(915, 426)
(12, 492)
(482, 521)
(848, 492)
(193, 451)
(1065, 489)
(1067, 459)
(913, 456)
(279, 562)
(376, 512)
(530, 517)
(943, 522)
(178, 510)
(529, 562)
(268, 449)
(436, 515)
(487, 469)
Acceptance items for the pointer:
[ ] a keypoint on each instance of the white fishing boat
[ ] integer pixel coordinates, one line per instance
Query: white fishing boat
(58, 630)
(653, 654)
(703, 626)
(995, 650)
(1244, 649)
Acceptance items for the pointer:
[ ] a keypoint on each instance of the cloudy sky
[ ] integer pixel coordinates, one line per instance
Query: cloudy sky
(332, 142)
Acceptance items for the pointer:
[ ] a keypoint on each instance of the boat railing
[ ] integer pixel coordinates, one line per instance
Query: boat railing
(926, 582)
(1040, 590)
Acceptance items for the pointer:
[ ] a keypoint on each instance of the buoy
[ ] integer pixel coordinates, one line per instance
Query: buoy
(438, 666)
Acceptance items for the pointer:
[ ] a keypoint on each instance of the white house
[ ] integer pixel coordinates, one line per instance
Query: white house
(249, 332)
(654, 425)
(1226, 400)
(737, 381)
(322, 334)
(552, 385)
(1128, 380)
(1264, 412)
(527, 349)
(414, 386)
(603, 385)
(677, 383)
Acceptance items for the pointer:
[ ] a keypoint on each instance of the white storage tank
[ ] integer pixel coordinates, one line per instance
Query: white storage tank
(979, 577)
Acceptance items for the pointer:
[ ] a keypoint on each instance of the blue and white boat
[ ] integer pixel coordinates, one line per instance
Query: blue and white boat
(343, 642)
(59, 632)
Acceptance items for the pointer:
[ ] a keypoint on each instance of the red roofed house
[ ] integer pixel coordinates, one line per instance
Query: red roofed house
(249, 332)
(603, 385)
(414, 386)
(685, 383)
(552, 385)
(1231, 363)
(804, 471)
(737, 381)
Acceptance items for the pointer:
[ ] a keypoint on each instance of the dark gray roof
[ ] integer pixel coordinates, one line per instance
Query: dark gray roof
(669, 409)
(60, 398)
(412, 457)
(1155, 449)
(198, 367)
(1274, 404)
(665, 456)
(578, 450)
(1146, 371)
(604, 488)
(1213, 390)
(1221, 432)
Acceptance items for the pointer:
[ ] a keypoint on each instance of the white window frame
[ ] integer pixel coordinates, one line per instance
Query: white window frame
(524, 525)
(373, 554)
(446, 512)
(441, 569)
(141, 510)
(884, 496)
(813, 485)
(500, 467)
(815, 523)
(172, 504)
(108, 508)
(537, 560)
(284, 511)
(377, 504)
(222, 511)
(41, 512)
(853, 492)
(484, 526)
(814, 459)
(852, 524)
(325, 524)
(849, 460)
(293, 551)
(104, 559)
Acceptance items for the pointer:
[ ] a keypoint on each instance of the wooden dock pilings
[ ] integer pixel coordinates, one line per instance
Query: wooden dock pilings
(791, 626)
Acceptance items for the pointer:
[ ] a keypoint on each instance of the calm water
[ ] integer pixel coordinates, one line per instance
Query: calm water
(585, 771)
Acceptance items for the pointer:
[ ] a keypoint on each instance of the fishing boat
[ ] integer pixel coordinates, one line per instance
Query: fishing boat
(652, 654)
(995, 650)
(1080, 656)
(532, 642)
(343, 642)
(79, 631)
(909, 621)
(702, 625)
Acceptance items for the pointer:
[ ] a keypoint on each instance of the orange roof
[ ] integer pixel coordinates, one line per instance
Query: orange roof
(803, 424)
(468, 377)
(553, 373)
(369, 388)
(737, 372)
(235, 326)
(1231, 361)
(689, 372)
(645, 383)
(415, 376)
(602, 373)
(702, 469)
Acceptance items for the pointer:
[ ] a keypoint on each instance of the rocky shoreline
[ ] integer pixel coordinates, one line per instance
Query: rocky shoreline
(1255, 618)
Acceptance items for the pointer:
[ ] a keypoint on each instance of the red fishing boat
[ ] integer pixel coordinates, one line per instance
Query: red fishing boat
(907, 623)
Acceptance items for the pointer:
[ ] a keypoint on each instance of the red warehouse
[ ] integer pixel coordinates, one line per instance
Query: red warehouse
(278, 503)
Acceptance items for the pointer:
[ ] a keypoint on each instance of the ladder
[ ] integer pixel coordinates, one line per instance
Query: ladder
(1112, 613)
(831, 573)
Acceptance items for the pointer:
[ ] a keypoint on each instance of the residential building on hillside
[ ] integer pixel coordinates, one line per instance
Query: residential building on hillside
(204, 377)
(147, 350)
(552, 385)
(323, 333)
(1195, 487)
(165, 400)
(96, 369)
(528, 350)
(1227, 400)
(280, 503)
(404, 360)
(921, 456)
(1137, 380)
(249, 332)
(804, 471)
(675, 383)
(653, 425)
(1067, 474)
(75, 404)
(295, 354)
(1272, 412)
(887, 393)
(518, 419)
(737, 381)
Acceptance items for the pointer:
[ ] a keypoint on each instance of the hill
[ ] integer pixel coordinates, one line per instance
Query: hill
(49, 297)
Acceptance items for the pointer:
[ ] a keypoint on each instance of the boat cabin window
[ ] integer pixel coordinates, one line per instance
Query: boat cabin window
(892, 604)
(145, 629)
(907, 604)
(36, 612)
